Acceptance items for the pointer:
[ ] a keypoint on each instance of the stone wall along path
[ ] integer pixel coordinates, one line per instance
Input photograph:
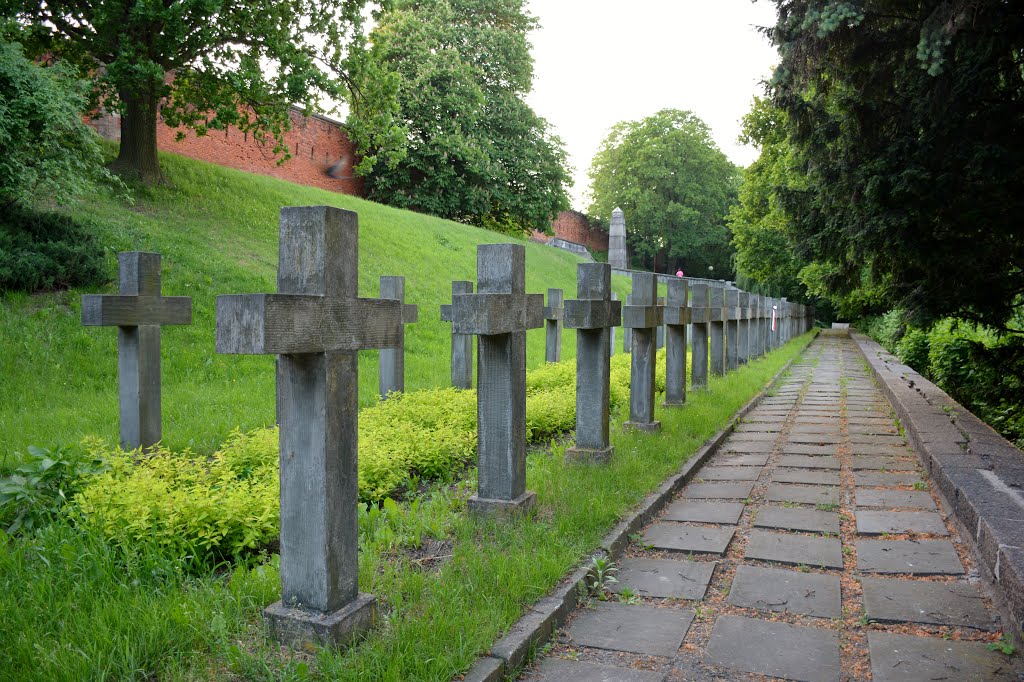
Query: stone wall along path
(734, 583)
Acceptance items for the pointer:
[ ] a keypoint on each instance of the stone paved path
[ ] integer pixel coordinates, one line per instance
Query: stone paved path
(811, 547)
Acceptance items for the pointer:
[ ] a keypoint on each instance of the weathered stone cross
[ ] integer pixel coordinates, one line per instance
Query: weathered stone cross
(499, 315)
(462, 344)
(391, 365)
(732, 328)
(643, 317)
(677, 316)
(316, 324)
(700, 316)
(716, 302)
(594, 315)
(138, 310)
(553, 314)
(743, 345)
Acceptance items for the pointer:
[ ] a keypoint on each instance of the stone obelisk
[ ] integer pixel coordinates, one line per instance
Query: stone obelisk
(617, 241)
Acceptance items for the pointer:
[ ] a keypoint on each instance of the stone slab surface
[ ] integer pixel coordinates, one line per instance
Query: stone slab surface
(862, 462)
(684, 538)
(925, 601)
(729, 473)
(910, 499)
(561, 670)
(883, 450)
(869, 429)
(814, 438)
(718, 491)
(804, 449)
(907, 658)
(748, 446)
(884, 479)
(634, 628)
(704, 512)
(797, 550)
(799, 519)
(665, 578)
(788, 591)
(759, 460)
(918, 557)
(870, 522)
(806, 476)
(809, 461)
(802, 494)
(766, 648)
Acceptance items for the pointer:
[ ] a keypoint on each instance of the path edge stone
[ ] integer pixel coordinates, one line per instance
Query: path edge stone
(541, 619)
(963, 456)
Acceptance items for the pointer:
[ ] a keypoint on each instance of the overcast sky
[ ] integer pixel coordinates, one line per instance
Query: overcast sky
(598, 62)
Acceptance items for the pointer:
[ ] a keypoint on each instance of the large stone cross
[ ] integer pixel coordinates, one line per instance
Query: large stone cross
(138, 311)
(643, 317)
(743, 345)
(677, 316)
(498, 315)
(316, 324)
(391, 365)
(553, 314)
(594, 315)
(462, 344)
(732, 328)
(700, 316)
(716, 302)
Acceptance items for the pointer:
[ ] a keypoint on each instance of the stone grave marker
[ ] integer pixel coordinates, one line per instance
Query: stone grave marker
(732, 328)
(743, 333)
(700, 315)
(498, 315)
(553, 314)
(661, 329)
(138, 311)
(643, 317)
(462, 344)
(593, 315)
(615, 297)
(391, 368)
(627, 333)
(677, 316)
(315, 324)
(716, 295)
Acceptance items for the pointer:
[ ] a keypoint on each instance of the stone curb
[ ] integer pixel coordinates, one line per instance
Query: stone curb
(548, 614)
(979, 473)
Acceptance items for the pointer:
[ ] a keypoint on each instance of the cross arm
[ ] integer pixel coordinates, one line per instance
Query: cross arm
(642, 316)
(496, 313)
(446, 312)
(410, 313)
(104, 310)
(592, 314)
(677, 315)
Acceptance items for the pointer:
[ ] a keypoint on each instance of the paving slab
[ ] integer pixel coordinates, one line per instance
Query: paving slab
(814, 438)
(719, 491)
(797, 550)
(799, 519)
(869, 439)
(630, 627)
(874, 462)
(883, 450)
(748, 446)
(871, 428)
(806, 476)
(766, 648)
(753, 437)
(683, 538)
(804, 449)
(809, 461)
(884, 480)
(870, 522)
(729, 473)
(665, 578)
(808, 429)
(561, 670)
(908, 658)
(750, 427)
(779, 589)
(753, 459)
(909, 499)
(917, 557)
(704, 512)
(871, 421)
(802, 494)
(925, 601)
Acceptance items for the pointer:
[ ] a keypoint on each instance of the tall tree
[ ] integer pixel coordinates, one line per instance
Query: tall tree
(907, 118)
(477, 153)
(675, 187)
(203, 64)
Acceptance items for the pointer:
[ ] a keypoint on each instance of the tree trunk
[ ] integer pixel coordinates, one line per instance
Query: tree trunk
(137, 158)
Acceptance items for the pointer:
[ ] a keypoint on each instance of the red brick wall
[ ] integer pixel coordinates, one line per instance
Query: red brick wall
(573, 226)
(317, 144)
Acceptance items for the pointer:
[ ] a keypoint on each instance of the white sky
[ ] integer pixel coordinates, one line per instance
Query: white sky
(598, 62)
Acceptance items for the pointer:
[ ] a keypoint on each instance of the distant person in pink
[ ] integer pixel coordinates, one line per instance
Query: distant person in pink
(679, 273)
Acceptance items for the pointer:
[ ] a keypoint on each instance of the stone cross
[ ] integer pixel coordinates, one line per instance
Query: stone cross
(553, 314)
(594, 314)
(643, 317)
(316, 325)
(661, 329)
(758, 339)
(617, 256)
(615, 297)
(627, 333)
(499, 315)
(700, 315)
(772, 318)
(138, 311)
(391, 367)
(732, 328)
(743, 334)
(677, 316)
(716, 295)
(462, 344)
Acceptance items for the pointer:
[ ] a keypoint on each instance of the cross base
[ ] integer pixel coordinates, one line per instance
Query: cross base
(298, 627)
(485, 506)
(673, 403)
(587, 455)
(646, 427)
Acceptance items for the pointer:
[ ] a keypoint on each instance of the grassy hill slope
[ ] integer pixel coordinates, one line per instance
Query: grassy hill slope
(217, 231)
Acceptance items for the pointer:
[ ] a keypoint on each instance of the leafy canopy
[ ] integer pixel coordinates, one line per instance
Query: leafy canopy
(477, 153)
(675, 187)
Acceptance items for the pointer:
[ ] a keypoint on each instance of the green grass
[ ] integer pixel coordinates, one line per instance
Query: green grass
(74, 611)
(217, 231)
